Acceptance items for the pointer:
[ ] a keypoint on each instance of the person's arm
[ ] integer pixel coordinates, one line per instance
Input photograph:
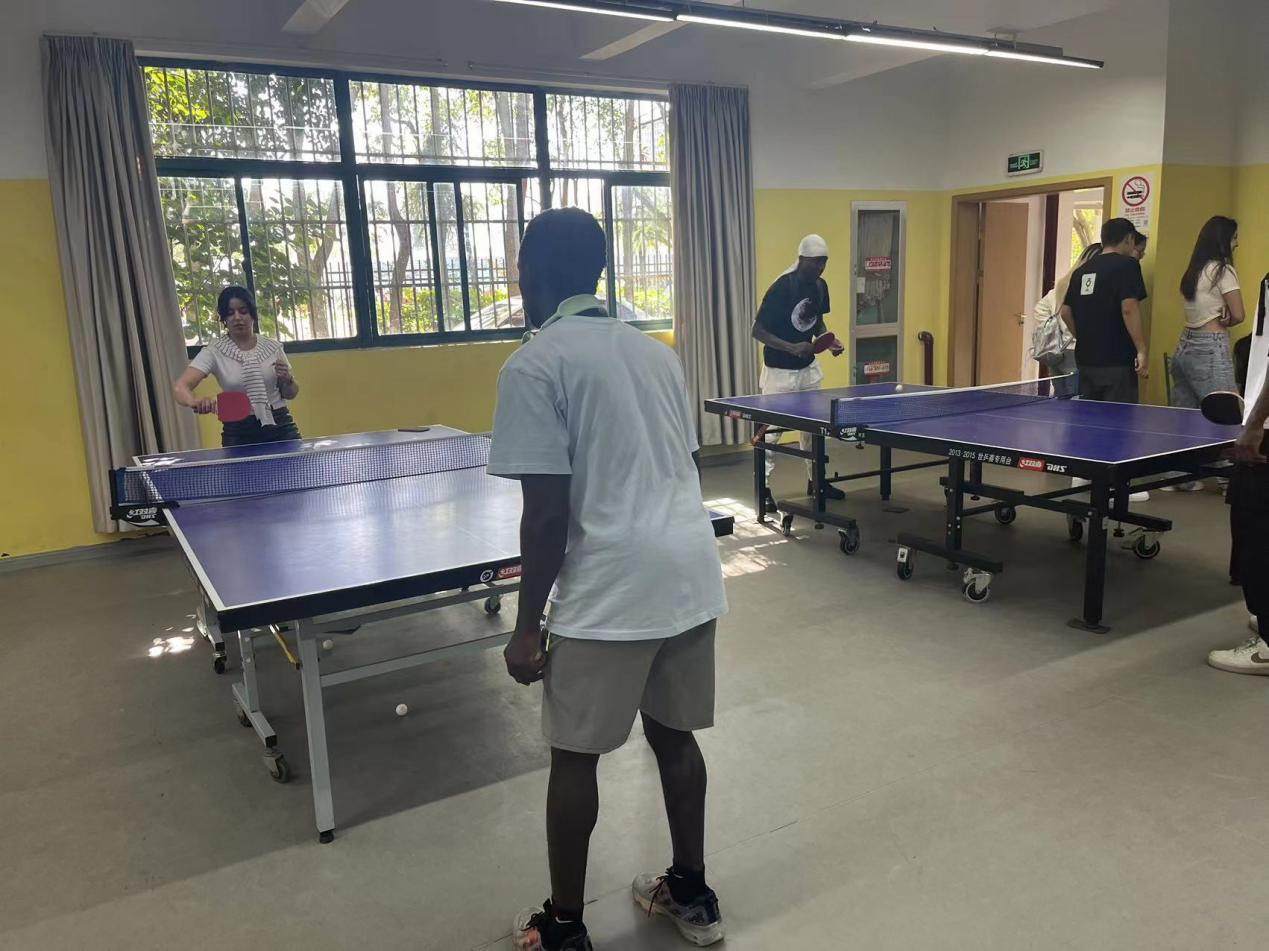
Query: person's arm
(286, 382)
(543, 540)
(1131, 310)
(1234, 313)
(183, 391)
(1247, 447)
(767, 338)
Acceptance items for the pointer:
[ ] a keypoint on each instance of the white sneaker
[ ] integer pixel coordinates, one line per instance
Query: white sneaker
(1251, 657)
(1184, 487)
(1139, 497)
(700, 922)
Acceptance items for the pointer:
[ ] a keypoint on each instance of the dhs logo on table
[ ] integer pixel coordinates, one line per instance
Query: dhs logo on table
(1031, 464)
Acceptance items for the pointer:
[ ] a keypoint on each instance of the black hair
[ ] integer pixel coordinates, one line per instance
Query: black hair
(244, 295)
(1115, 230)
(566, 249)
(1215, 243)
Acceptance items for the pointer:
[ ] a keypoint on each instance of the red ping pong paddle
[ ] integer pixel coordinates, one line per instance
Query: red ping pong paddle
(828, 341)
(1223, 408)
(232, 407)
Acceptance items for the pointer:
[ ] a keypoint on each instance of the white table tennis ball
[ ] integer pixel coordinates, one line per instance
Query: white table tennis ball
(327, 644)
(402, 709)
(898, 387)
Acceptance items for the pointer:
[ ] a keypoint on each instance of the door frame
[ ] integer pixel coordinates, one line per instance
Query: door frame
(878, 330)
(965, 271)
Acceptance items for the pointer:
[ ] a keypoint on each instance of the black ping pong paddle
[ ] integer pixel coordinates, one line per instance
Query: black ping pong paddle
(1223, 408)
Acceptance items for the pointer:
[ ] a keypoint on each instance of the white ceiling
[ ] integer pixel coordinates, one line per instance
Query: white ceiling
(597, 43)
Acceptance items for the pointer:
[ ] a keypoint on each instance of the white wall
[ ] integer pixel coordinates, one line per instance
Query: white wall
(1084, 120)
(1202, 92)
(1251, 141)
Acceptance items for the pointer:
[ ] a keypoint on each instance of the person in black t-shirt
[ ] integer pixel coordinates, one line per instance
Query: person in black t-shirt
(789, 320)
(1102, 309)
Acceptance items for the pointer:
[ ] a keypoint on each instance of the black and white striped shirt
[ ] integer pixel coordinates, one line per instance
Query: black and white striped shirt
(246, 371)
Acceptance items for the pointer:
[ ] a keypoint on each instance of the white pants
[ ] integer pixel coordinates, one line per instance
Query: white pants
(774, 380)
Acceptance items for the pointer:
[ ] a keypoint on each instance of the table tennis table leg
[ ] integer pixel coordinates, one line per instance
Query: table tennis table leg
(1095, 558)
(819, 476)
(315, 724)
(886, 462)
(955, 508)
(247, 696)
(760, 480)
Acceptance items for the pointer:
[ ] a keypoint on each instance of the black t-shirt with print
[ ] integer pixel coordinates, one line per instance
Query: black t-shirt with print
(1096, 296)
(793, 309)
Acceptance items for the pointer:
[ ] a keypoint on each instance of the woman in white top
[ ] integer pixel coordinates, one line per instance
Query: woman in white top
(245, 362)
(1203, 362)
(1050, 305)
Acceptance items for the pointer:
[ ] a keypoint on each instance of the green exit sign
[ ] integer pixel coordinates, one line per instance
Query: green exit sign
(1025, 163)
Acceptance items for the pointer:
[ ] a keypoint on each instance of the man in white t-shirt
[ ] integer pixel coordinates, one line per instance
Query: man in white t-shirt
(1248, 496)
(593, 419)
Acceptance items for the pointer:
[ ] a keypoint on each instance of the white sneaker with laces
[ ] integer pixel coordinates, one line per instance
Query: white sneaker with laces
(1251, 657)
(1184, 487)
(700, 922)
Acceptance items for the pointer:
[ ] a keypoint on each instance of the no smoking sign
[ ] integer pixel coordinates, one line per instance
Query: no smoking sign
(1135, 200)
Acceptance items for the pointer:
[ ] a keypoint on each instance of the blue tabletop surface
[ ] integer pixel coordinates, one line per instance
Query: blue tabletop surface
(1111, 433)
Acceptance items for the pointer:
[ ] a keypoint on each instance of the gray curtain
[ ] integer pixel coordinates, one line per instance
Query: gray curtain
(711, 168)
(121, 301)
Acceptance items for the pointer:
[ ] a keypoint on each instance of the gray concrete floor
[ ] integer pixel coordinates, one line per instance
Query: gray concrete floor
(893, 768)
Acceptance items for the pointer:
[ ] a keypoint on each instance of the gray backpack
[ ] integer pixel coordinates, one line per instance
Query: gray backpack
(1049, 341)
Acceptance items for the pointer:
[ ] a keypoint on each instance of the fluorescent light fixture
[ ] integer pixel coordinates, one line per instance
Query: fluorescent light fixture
(612, 10)
(762, 25)
(914, 42)
(1055, 60)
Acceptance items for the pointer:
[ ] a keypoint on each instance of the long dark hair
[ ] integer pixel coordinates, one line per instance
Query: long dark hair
(1215, 243)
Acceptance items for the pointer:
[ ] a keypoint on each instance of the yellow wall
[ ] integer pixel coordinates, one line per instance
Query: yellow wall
(784, 216)
(44, 502)
(1251, 208)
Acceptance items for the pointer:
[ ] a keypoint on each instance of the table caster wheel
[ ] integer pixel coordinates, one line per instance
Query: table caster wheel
(277, 766)
(1075, 529)
(976, 585)
(241, 714)
(494, 604)
(786, 525)
(975, 594)
(1146, 547)
(848, 540)
(1006, 514)
(327, 837)
(905, 565)
(218, 665)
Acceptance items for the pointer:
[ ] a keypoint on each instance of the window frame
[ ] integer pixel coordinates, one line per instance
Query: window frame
(354, 174)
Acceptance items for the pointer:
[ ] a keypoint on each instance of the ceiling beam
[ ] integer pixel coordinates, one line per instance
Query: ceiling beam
(632, 41)
(312, 16)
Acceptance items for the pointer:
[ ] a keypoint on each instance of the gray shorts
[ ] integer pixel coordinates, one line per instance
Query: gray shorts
(593, 689)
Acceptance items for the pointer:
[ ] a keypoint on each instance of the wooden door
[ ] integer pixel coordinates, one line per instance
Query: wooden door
(1002, 297)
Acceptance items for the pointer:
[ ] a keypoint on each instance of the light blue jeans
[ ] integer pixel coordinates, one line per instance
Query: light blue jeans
(1202, 364)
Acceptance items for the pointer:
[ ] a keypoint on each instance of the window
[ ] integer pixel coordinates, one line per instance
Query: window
(367, 211)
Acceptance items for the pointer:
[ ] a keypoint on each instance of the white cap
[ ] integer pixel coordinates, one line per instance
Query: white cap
(813, 246)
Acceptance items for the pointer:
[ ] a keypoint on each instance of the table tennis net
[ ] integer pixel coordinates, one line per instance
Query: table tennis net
(295, 471)
(865, 411)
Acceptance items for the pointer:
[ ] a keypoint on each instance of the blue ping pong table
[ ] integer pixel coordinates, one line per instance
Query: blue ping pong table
(305, 539)
(1036, 427)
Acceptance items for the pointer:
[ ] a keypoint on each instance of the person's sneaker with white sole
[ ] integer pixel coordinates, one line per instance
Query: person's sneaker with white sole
(1251, 657)
(698, 920)
(1184, 487)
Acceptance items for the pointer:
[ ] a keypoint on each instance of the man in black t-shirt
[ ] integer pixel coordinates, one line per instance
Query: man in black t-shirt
(789, 320)
(1102, 309)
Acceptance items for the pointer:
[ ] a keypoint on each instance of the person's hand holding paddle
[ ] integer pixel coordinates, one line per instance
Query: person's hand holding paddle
(205, 406)
(283, 371)
(525, 656)
(802, 349)
(1247, 448)
(828, 341)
